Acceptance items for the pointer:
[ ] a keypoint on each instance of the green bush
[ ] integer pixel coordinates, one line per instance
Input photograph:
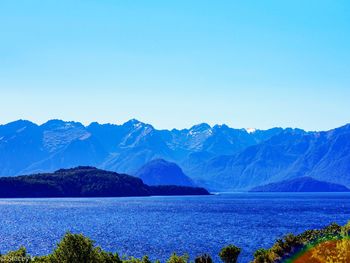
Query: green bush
(18, 256)
(203, 259)
(145, 259)
(108, 257)
(230, 254)
(75, 248)
(263, 256)
(178, 259)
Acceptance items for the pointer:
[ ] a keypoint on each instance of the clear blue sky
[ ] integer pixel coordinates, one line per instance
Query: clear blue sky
(176, 63)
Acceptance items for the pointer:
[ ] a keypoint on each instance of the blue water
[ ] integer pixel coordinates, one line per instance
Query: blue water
(158, 226)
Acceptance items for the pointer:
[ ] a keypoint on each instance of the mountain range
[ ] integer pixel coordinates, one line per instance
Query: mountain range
(217, 157)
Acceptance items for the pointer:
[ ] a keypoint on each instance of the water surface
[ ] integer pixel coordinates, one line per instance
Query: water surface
(158, 226)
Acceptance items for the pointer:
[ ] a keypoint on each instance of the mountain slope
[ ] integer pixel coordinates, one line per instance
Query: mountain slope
(20, 146)
(292, 153)
(302, 184)
(29, 148)
(161, 172)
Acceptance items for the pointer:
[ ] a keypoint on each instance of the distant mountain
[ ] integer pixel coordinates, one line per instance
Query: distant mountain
(161, 172)
(292, 153)
(302, 184)
(217, 157)
(85, 182)
(26, 147)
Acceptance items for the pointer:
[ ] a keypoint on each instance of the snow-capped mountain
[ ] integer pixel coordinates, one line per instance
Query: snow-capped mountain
(218, 156)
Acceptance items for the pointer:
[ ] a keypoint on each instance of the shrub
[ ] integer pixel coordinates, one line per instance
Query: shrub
(76, 248)
(108, 257)
(145, 259)
(17, 256)
(203, 259)
(230, 254)
(264, 256)
(178, 259)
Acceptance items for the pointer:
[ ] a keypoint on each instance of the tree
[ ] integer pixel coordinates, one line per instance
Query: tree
(108, 257)
(230, 254)
(264, 256)
(178, 259)
(203, 259)
(145, 259)
(75, 248)
(17, 256)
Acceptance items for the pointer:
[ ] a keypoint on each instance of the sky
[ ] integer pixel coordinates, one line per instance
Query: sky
(177, 63)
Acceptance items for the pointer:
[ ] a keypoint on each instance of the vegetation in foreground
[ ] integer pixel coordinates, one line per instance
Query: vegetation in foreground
(330, 244)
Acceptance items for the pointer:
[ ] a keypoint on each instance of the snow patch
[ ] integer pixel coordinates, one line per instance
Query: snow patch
(22, 129)
(205, 132)
(250, 130)
(137, 125)
(85, 137)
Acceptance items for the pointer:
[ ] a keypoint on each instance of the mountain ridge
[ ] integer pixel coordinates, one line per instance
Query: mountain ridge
(217, 157)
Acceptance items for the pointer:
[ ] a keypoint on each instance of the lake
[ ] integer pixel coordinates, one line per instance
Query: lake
(158, 226)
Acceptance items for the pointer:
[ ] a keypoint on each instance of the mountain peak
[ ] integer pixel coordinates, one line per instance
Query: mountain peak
(19, 124)
(162, 172)
(56, 123)
(137, 124)
(132, 122)
(201, 126)
(250, 130)
(200, 129)
(221, 126)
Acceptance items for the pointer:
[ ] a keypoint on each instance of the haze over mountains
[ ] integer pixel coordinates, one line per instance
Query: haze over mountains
(218, 157)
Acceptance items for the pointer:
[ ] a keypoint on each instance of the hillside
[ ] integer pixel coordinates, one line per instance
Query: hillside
(161, 172)
(85, 182)
(302, 184)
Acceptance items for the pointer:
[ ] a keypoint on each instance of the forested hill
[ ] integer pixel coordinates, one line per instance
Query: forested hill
(85, 182)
